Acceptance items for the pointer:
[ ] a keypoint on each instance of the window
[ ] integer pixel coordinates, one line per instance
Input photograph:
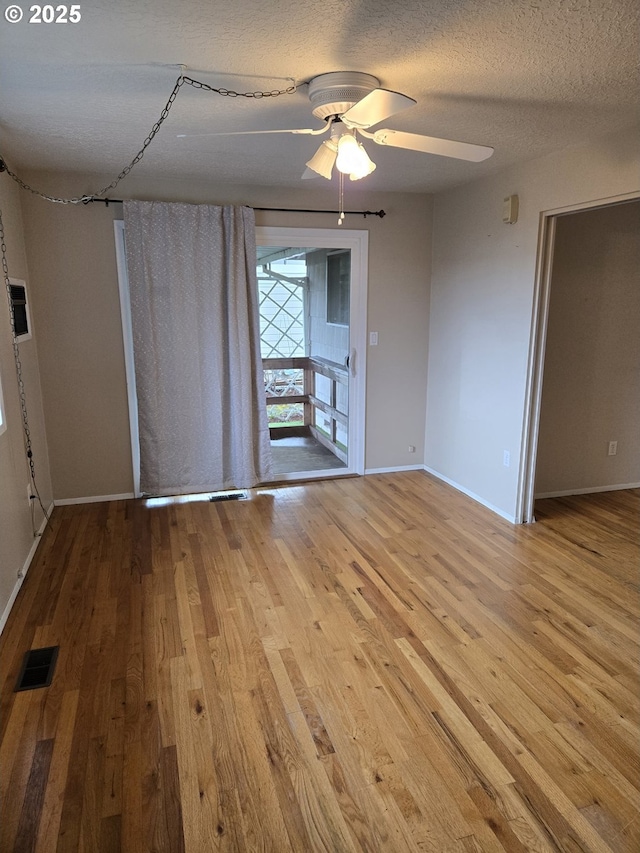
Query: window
(21, 318)
(338, 286)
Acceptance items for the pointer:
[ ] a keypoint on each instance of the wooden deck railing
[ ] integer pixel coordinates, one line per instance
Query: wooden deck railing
(312, 367)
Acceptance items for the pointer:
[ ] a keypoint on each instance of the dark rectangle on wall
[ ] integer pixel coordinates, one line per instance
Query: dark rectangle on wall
(19, 302)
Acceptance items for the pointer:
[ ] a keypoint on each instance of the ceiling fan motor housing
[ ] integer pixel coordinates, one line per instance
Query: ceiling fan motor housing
(334, 93)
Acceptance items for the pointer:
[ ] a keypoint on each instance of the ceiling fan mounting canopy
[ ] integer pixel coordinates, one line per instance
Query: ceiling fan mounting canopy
(334, 93)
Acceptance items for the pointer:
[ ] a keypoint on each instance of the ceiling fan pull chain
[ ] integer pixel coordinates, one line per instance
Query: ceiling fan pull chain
(341, 198)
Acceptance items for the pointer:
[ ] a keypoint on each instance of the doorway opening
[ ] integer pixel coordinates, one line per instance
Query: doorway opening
(594, 418)
(304, 342)
(311, 289)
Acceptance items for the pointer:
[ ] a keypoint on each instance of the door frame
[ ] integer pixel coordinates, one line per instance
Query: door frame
(358, 242)
(129, 363)
(540, 319)
(355, 240)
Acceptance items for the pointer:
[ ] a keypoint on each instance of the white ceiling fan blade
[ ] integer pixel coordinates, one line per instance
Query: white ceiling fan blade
(375, 107)
(431, 145)
(303, 130)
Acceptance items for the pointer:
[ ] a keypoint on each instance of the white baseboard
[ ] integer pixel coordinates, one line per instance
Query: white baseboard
(23, 571)
(590, 491)
(472, 495)
(394, 470)
(94, 499)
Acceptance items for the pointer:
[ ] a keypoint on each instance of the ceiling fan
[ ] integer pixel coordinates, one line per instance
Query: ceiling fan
(350, 102)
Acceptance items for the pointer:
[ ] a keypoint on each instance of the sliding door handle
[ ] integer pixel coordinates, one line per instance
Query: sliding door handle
(350, 362)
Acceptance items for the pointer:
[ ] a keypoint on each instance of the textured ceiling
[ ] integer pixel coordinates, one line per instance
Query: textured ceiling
(524, 76)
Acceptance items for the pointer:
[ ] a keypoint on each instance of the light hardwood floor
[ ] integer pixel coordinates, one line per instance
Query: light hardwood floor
(366, 664)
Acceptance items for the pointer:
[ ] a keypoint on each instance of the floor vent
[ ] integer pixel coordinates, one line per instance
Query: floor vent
(228, 496)
(37, 668)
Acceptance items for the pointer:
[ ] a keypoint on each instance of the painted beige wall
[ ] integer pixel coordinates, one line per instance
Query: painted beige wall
(16, 532)
(76, 306)
(482, 287)
(591, 388)
(72, 264)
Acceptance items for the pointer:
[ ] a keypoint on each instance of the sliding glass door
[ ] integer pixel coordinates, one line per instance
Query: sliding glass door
(312, 291)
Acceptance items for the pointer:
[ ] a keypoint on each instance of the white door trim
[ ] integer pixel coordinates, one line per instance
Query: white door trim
(358, 242)
(539, 321)
(129, 364)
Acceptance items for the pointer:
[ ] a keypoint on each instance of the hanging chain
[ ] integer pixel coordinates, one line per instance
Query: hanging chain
(182, 80)
(83, 199)
(21, 391)
(229, 93)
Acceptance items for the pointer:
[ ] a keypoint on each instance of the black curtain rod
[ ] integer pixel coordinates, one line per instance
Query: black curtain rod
(365, 213)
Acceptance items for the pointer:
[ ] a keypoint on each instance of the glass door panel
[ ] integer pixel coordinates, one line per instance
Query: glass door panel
(304, 296)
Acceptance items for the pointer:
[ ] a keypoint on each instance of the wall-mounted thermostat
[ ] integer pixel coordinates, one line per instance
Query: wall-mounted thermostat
(510, 209)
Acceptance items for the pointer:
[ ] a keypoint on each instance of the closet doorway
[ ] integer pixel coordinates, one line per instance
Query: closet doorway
(584, 371)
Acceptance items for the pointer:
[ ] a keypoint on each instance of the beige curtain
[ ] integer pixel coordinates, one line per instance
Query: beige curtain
(196, 338)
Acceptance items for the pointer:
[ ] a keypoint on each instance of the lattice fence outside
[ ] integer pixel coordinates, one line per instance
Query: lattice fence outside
(281, 319)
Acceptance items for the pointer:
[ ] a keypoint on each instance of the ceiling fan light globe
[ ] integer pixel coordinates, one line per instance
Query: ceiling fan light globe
(349, 159)
(323, 160)
(356, 176)
(364, 166)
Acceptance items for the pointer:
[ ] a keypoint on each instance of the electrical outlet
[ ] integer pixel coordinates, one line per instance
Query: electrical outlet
(373, 339)
(412, 448)
(613, 448)
(506, 458)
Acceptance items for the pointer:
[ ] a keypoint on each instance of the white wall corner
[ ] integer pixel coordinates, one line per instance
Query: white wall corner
(507, 516)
